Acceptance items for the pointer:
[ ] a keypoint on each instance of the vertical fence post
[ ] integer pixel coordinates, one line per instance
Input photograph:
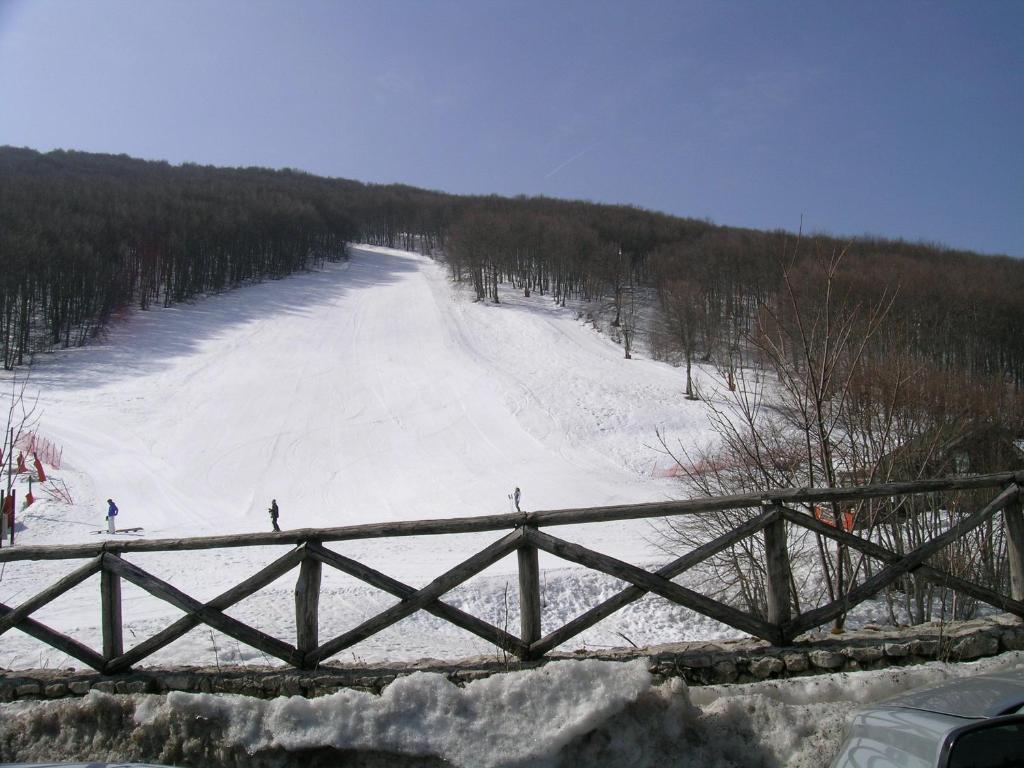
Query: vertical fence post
(778, 581)
(7, 517)
(11, 509)
(110, 601)
(307, 606)
(1014, 519)
(529, 594)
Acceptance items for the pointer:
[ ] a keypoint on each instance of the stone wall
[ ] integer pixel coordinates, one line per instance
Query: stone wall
(697, 663)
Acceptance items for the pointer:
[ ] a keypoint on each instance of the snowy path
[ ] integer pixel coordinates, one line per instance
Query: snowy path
(365, 392)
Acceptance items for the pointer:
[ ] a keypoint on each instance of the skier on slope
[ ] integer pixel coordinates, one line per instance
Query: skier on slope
(111, 514)
(274, 513)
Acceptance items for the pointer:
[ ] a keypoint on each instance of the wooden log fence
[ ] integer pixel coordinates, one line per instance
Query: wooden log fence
(777, 513)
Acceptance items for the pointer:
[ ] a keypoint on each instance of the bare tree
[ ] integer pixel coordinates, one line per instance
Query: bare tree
(628, 318)
(20, 412)
(815, 342)
(680, 303)
(779, 424)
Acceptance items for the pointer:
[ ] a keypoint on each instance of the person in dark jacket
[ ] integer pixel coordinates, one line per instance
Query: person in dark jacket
(274, 513)
(111, 514)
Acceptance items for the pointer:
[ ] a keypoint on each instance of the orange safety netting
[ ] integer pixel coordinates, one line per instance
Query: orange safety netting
(826, 516)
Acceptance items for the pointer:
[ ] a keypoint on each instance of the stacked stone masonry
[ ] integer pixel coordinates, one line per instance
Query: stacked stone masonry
(697, 663)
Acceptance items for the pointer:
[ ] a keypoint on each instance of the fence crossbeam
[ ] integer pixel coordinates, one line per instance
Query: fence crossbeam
(654, 583)
(190, 621)
(932, 574)
(633, 592)
(479, 627)
(55, 639)
(421, 598)
(209, 616)
(907, 563)
(50, 594)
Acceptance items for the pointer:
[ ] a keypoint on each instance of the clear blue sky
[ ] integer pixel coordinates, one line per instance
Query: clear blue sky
(902, 119)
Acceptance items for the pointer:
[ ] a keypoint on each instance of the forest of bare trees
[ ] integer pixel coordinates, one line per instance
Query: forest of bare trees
(82, 235)
(832, 394)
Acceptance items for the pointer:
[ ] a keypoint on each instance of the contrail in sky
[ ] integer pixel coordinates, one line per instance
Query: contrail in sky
(575, 157)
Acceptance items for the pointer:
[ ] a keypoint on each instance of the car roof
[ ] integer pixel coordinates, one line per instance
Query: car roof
(973, 697)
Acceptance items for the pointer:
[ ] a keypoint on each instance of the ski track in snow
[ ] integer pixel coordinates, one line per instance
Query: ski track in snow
(369, 391)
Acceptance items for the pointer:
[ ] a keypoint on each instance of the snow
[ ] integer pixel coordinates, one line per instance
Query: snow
(369, 391)
(584, 712)
(424, 714)
(360, 393)
(373, 391)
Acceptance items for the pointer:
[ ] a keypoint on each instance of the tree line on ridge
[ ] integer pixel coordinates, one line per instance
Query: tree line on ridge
(83, 235)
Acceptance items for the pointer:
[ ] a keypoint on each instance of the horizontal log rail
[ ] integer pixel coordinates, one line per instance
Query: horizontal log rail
(308, 554)
(505, 521)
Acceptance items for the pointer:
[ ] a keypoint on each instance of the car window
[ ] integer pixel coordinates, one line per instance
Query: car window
(998, 746)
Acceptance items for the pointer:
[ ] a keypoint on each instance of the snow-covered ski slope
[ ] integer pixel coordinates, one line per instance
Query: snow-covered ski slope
(372, 390)
(362, 393)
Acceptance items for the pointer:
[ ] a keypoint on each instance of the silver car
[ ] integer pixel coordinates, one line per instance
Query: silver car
(974, 722)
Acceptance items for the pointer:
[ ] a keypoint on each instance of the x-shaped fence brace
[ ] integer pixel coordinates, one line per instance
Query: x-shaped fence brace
(310, 555)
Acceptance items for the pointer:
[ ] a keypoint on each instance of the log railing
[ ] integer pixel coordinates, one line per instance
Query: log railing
(777, 510)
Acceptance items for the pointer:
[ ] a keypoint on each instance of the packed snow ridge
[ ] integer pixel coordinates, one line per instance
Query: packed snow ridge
(566, 713)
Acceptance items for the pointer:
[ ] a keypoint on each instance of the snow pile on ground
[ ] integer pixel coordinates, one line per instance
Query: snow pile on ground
(500, 720)
(567, 713)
